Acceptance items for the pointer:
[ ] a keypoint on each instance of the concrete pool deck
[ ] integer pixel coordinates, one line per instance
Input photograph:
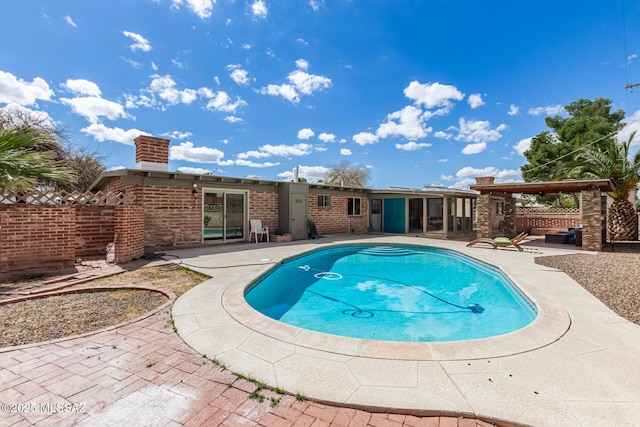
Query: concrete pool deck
(575, 365)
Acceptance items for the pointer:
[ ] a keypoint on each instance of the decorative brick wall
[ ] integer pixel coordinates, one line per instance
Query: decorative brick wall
(36, 236)
(334, 219)
(263, 205)
(129, 225)
(94, 229)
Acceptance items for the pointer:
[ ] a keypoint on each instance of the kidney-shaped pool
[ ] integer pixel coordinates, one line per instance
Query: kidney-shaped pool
(392, 293)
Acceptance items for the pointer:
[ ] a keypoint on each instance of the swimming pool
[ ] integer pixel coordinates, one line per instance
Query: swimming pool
(392, 293)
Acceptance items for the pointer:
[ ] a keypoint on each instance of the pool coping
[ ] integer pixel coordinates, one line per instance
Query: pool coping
(543, 373)
(551, 323)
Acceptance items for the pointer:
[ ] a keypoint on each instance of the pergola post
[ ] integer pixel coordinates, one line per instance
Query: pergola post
(509, 222)
(592, 211)
(483, 211)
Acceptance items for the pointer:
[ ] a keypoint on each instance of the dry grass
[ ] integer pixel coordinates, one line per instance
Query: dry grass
(45, 319)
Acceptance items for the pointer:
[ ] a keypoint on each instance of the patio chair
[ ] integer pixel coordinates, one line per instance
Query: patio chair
(258, 229)
(501, 242)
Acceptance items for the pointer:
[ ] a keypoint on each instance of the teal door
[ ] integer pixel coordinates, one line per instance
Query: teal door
(394, 216)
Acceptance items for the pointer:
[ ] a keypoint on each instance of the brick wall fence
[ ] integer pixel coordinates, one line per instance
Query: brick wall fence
(541, 221)
(48, 235)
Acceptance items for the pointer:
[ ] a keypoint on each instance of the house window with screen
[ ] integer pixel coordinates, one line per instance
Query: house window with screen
(353, 206)
(323, 201)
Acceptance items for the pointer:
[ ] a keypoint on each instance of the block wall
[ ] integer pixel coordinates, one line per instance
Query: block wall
(94, 229)
(36, 236)
(334, 218)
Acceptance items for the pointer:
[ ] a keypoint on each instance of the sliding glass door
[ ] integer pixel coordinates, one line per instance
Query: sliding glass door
(223, 215)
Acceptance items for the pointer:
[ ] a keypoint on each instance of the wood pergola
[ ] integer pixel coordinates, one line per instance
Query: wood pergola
(593, 204)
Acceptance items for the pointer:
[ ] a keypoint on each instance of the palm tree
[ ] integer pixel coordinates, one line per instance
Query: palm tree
(612, 161)
(25, 159)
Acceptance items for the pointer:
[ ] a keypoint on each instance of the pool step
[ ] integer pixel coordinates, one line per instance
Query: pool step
(387, 251)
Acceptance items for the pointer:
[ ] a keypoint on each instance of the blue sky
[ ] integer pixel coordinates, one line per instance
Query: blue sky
(418, 92)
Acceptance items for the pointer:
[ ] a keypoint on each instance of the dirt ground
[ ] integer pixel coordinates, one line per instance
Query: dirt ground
(44, 319)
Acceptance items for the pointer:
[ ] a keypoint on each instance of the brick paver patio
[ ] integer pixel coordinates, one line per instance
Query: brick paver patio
(143, 374)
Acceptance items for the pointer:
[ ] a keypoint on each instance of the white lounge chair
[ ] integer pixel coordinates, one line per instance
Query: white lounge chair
(258, 230)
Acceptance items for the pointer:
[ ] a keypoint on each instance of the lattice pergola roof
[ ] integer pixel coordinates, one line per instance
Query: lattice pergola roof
(547, 187)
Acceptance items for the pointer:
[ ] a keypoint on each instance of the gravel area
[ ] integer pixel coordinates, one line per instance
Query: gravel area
(613, 278)
(44, 319)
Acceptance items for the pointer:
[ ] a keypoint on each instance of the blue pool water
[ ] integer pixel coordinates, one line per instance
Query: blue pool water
(394, 293)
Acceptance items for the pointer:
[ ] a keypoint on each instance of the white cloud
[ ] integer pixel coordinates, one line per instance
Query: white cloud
(316, 4)
(432, 95)
(176, 135)
(232, 119)
(102, 133)
(302, 64)
(478, 131)
(222, 102)
(466, 176)
(631, 57)
(305, 133)
(82, 87)
(412, 146)
(327, 137)
(283, 150)
(14, 90)
(308, 83)
(632, 125)
(202, 8)
(475, 100)
(286, 91)
(443, 135)
(164, 87)
(551, 110)
(476, 148)
(300, 82)
(92, 108)
(249, 163)
(238, 75)
(345, 152)
(513, 110)
(310, 173)
(187, 152)
(69, 21)
(522, 145)
(407, 123)
(364, 138)
(139, 42)
(259, 9)
(195, 171)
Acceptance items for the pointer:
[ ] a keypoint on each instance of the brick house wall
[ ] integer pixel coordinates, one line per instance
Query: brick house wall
(263, 205)
(172, 216)
(36, 236)
(334, 218)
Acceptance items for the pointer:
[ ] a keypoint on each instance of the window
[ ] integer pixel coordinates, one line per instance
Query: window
(353, 206)
(499, 208)
(323, 201)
